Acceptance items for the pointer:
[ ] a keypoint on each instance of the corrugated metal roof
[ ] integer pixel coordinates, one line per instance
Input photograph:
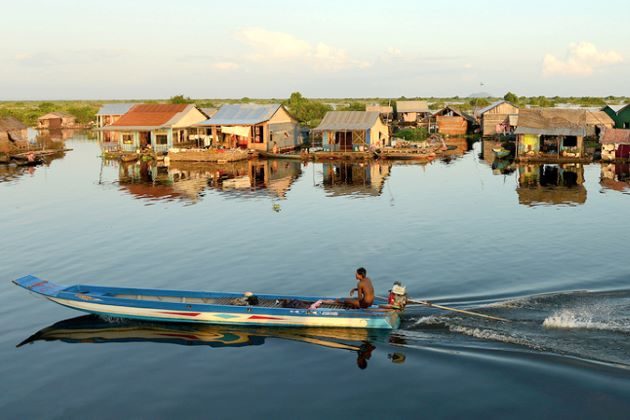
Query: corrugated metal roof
(115, 109)
(615, 136)
(412, 106)
(55, 115)
(617, 108)
(242, 114)
(456, 111)
(494, 105)
(383, 109)
(550, 121)
(150, 115)
(348, 120)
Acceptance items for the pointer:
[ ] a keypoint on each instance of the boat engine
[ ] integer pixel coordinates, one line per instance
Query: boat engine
(398, 296)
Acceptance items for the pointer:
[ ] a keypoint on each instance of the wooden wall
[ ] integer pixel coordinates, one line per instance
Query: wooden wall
(451, 126)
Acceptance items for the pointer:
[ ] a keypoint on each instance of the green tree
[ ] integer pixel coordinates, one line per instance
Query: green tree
(354, 106)
(308, 112)
(180, 99)
(511, 97)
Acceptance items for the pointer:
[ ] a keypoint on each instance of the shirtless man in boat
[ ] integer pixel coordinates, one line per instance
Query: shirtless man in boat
(364, 289)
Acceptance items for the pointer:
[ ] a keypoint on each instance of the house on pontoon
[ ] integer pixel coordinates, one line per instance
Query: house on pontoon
(498, 118)
(412, 112)
(620, 114)
(451, 121)
(386, 111)
(615, 144)
(56, 120)
(352, 131)
(108, 114)
(557, 134)
(251, 126)
(161, 126)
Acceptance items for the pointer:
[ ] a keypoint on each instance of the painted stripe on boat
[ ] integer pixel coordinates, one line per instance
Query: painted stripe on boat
(181, 313)
(266, 317)
(387, 322)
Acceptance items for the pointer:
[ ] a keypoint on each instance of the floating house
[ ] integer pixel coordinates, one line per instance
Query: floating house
(161, 126)
(412, 112)
(108, 114)
(386, 111)
(13, 137)
(615, 144)
(451, 121)
(352, 131)
(251, 126)
(620, 114)
(557, 134)
(500, 117)
(56, 120)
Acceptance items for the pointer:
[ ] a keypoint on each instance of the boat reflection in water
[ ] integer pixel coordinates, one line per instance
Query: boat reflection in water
(94, 329)
(355, 178)
(546, 184)
(616, 177)
(156, 180)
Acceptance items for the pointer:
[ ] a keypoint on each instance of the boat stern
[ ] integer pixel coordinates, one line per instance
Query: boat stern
(37, 285)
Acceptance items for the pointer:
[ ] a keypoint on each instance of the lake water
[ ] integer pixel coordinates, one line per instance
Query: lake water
(544, 246)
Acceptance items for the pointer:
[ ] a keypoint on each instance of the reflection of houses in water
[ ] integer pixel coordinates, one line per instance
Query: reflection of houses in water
(540, 184)
(457, 147)
(616, 176)
(188, 181)
(56, 135)
(347, 178)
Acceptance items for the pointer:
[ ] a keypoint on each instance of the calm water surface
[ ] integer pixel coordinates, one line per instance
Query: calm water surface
(545, 246)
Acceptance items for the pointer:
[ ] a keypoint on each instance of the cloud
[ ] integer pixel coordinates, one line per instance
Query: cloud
(226, 66)
(582, 60)
(271, 47)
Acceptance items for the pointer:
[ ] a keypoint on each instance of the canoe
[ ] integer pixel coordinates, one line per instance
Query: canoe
(210, 307)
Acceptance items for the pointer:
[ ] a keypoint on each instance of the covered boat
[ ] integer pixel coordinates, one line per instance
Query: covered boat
(212, 307)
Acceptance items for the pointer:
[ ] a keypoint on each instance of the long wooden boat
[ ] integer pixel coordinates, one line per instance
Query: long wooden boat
(211, 307)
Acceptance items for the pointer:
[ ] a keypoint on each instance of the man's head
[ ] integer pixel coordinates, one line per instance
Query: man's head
(361, 273)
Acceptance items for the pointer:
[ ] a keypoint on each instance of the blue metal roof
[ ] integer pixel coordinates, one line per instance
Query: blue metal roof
(242, 114)
(115, 109)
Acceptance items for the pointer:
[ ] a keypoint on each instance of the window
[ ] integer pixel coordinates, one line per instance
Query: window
(570, 141)
(161, 139)
(127, 138)
(258, 134)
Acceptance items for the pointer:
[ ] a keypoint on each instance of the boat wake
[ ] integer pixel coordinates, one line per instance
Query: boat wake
(588, 325)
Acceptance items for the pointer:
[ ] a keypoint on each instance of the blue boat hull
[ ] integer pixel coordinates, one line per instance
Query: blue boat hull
(210, 307)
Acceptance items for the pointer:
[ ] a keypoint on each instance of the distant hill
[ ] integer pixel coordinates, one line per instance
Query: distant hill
(480, 95)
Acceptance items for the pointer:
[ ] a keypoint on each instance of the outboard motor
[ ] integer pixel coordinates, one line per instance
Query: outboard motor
(398, 296)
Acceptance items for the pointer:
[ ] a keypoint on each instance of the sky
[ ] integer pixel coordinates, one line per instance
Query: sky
(336, 49)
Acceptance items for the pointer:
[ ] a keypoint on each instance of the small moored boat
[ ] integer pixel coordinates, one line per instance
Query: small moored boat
(212, 307)
(501, 153)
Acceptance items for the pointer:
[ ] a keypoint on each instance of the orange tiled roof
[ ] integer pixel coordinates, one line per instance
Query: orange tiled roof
(149, 115)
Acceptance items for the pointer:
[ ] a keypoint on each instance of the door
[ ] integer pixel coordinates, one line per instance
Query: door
(623, 151)
(344, 140)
